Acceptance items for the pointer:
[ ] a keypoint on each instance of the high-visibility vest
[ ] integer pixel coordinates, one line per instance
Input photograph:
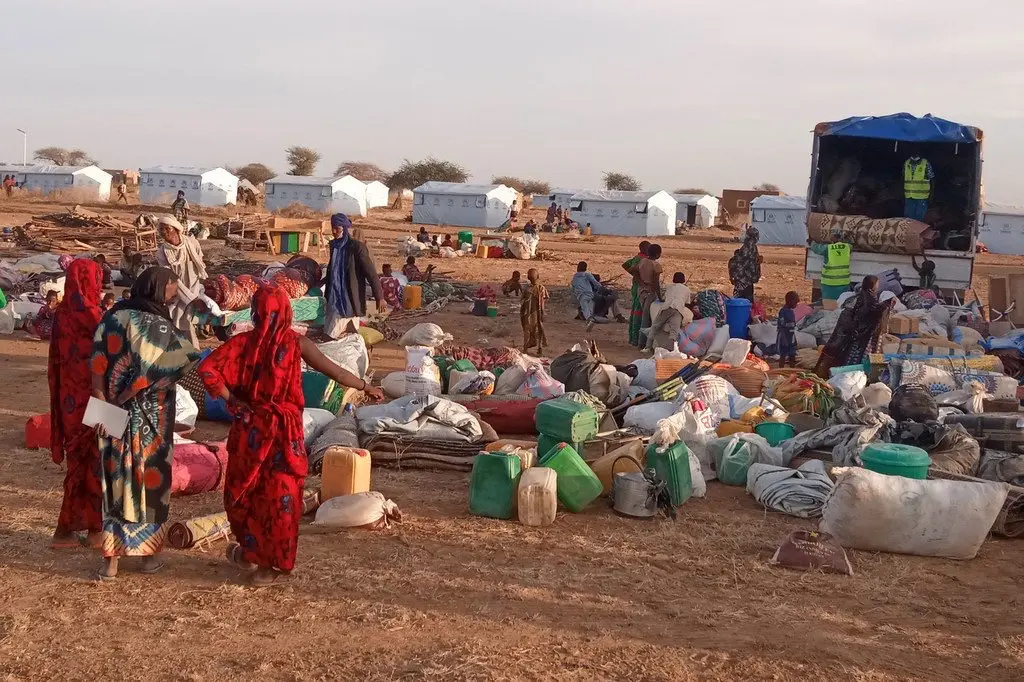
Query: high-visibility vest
(836, 270)
(916, 184)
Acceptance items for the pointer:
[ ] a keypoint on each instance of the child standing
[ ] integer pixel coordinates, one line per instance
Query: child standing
(786, 340)
(531, 312)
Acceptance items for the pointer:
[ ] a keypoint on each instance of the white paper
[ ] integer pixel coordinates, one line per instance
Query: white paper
(112, 417)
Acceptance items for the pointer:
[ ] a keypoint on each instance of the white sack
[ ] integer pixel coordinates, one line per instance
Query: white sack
(735, 352)
(425, 334)
(848, 385)
(645, 373)
(645, 417)
(421, 374)
(314, 421)
(718, 345)
(185, 410)
(970, 397)
(348, 352)
(369, 510)
(393, 385)
(882, 513)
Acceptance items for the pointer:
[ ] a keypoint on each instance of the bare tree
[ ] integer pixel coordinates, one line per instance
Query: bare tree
(692, 190)
(302, 160)
(256, 173)
(621, 181)
(361, 170)
(767, 187)
(60, 156)
(509, 181)
(412, 174)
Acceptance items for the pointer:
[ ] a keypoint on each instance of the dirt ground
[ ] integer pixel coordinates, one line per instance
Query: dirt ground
(449, 596)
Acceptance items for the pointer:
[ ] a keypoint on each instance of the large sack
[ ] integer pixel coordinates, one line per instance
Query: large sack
(645, 417)
(421, 374)
(362, 510)
(198, 467)
(349, 352)
(882, 513)
(314, 422)
(393, 384)
(425, 334)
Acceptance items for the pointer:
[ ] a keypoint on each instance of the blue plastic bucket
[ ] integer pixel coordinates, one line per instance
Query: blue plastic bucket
(737, 316)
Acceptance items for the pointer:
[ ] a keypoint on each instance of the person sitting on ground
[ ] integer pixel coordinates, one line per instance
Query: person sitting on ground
(674, 315)
(435, 245)
(530, 227)
(786, 340)
(413, 273)
(179, 209)
(42, 324)
(585, 287)
(423, 237)
(513, 286)
(926, 271)
(108, 302)
(448, 243)
(390, 286)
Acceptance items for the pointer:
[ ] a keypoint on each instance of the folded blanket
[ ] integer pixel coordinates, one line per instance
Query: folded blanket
(424, 417)
(846, 441)
(873, 235)
(798, 492)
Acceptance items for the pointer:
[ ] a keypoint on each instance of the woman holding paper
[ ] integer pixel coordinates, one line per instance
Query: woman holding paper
(74, 324)
(184, 256)
(259, 373)
(137, 356)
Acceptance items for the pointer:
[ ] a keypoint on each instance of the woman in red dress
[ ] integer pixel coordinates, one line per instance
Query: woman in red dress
(259, 373)
(71, 341)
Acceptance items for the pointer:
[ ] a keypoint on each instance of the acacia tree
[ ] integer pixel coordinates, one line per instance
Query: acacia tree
(536, 187)
(60, 156)
(361, 170)
(412, 174)
(767, 187)
(509, 181)
(302, 160)
(256, 173)
(621, 181)
(692, 190)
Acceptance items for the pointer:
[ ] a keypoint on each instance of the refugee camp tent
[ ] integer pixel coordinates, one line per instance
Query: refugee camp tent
(325, 195)
(557, 195)
(1002, 228)
(86, 183)
(462, 205)
(780, 219)
(376, 194)
(203, 186)
(696, 210)
(649, 214)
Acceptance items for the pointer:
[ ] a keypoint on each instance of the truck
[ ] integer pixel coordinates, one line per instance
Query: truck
(857, 168)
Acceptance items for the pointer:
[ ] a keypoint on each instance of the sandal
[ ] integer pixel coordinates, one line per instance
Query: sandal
(108, 572)
(268, 577)
(234, 556)
(151, 565)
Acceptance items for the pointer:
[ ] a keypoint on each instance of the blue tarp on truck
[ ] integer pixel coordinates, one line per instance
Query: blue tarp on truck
(902, 127)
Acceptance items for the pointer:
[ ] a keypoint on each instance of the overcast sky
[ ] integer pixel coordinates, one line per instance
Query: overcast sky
(711, 94)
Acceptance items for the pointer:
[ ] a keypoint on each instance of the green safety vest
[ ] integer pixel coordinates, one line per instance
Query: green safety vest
(836, 270)
(916, 184)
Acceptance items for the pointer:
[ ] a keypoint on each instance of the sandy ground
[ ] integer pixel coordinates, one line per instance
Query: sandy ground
(448, 596)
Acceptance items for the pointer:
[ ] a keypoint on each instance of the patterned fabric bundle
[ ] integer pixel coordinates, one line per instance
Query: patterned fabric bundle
(711, 303)
(231, 295)
(881, 235)
(202, 530)
(292, 282)
(482, 358)
(697, 337)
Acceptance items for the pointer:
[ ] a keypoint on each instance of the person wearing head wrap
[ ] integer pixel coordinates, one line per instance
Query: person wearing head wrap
(349, 272)
(259, 374)
(74, 325)
(183, 254)
(137, 357)
(745, 266)
(858, 329)
(636, 311)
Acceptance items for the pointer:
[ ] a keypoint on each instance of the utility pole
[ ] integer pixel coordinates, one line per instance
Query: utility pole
(24, 146)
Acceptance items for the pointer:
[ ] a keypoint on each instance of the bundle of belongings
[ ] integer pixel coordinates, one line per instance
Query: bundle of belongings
(872, 235)
(423, 432)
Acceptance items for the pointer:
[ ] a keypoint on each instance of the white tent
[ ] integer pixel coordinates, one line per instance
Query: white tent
(376, 194)
(461, 205)
(648, 214)
(780, 219)
(325, 195)
(202, 186)
(557, 195)
(87, 183)
(1002, 228)
(696, 210)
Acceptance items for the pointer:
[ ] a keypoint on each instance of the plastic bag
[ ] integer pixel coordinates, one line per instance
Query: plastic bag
(735, 352)
(849, 384)
(370, 510)
(674, 354)
(314, 422)
(421, 374)
(425, 334)
(733, 461)
(696, 425)
(540, 384)
(718, 344)
(7, 321)
(876, 395)
(349, 352)
(185, 411)
(645, 417)
(472, 383)
(667, 433)
(511, 379)
(880, 513)
(645, 373)
(970, 397)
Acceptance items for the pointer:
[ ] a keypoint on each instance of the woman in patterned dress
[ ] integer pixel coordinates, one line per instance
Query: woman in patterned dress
(636, 311)
(259, 374)
(137, 356)
(74, 324)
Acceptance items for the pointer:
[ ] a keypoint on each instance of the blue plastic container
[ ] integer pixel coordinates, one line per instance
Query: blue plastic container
(217, 409)
(737, 316)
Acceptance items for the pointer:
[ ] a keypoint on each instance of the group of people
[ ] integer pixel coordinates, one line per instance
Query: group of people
(117, 486)
(9, 184)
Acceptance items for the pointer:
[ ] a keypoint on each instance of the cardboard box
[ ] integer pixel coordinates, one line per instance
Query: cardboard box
(904, 325)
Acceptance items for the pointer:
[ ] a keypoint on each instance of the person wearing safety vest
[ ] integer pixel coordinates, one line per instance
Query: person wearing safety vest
(835, 273)
(917, 186)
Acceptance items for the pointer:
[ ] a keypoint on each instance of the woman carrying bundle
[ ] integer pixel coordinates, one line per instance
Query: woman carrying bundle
(259, 373)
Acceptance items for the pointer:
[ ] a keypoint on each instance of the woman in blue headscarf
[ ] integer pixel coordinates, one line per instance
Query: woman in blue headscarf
(349, 271)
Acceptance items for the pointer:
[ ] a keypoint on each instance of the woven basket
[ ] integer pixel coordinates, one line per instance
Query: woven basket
(749, 382)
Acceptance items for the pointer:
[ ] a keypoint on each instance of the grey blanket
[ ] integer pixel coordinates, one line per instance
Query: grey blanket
(426, 417)
(798, 492)
(846, 441)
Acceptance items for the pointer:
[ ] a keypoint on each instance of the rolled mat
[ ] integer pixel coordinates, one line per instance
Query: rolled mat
(202, 530)
(873, 235)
